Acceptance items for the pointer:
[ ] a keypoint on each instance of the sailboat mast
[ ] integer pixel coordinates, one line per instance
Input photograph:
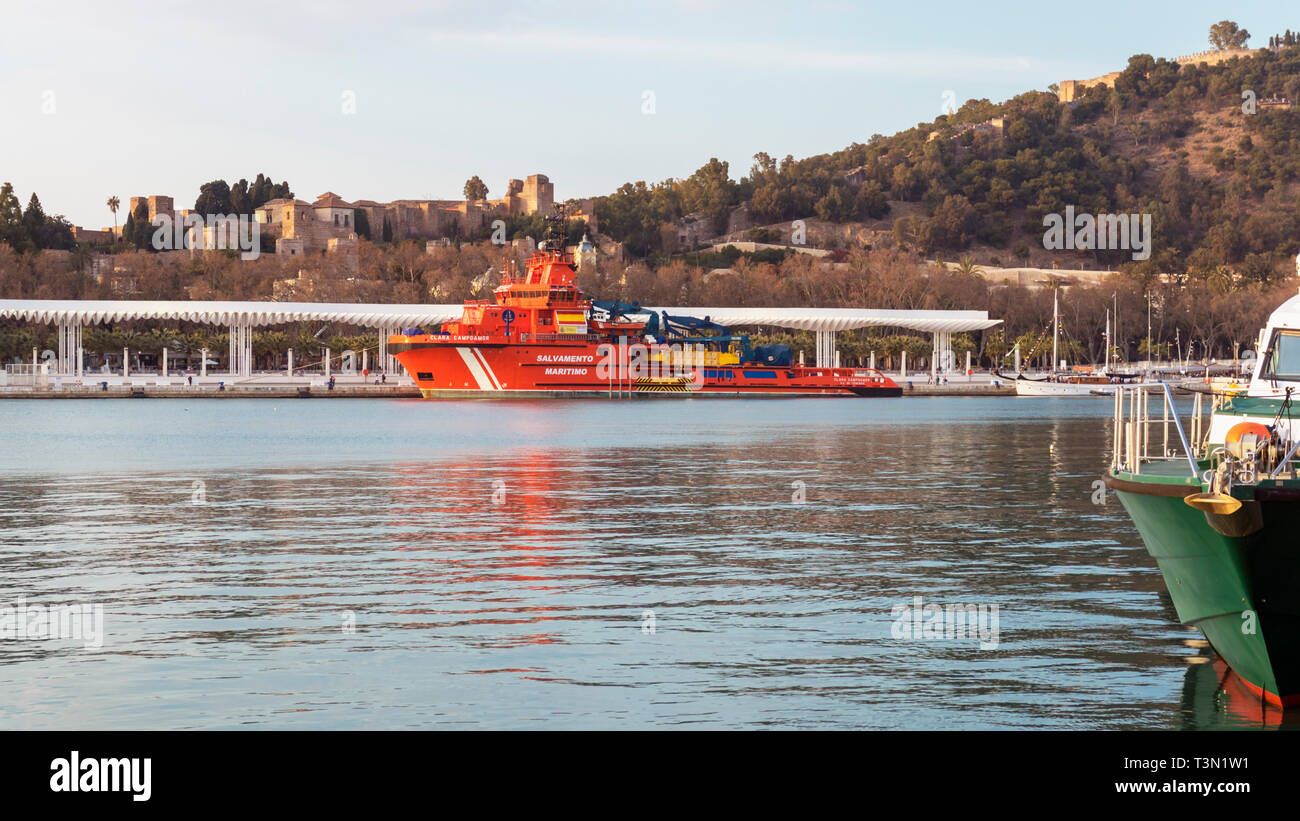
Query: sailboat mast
(1115, 297)
(1106, 367)
(1056, 324)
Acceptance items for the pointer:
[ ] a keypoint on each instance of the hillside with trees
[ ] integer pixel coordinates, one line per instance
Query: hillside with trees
(1173, 141)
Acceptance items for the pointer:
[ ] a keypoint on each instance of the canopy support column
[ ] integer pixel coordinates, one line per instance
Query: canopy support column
(70, 349)
(241, 350)
(387, 361)
(941, 354)
(934, 356)
(826, 354)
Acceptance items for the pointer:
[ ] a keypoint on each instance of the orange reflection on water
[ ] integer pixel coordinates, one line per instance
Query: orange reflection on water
(505, 510)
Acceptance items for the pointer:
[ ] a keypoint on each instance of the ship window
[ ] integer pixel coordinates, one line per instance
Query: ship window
(1283, 360)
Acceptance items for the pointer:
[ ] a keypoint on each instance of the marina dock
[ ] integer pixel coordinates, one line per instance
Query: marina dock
(315, 389)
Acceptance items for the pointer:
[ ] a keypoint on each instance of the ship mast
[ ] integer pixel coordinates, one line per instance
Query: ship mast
(556, 228)
(1106, 362)
(1056, 324)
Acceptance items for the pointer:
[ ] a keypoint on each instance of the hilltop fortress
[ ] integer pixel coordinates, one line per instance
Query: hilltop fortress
(1070, 90)
(329, 224)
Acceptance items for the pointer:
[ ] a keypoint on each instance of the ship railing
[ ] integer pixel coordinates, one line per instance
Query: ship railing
(561, 338)
(1132, 432)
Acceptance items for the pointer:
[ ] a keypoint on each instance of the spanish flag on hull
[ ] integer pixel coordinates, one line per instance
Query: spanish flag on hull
(571, 322)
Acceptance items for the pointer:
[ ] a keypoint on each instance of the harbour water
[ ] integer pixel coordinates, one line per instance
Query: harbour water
(584, 564)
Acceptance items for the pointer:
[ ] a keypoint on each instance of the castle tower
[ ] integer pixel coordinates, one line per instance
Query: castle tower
(539, 195)
(161, 205)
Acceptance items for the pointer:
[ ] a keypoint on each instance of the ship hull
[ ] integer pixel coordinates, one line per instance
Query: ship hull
(650, 394)
(449, 370)
(1241, 591)
(1031, 387)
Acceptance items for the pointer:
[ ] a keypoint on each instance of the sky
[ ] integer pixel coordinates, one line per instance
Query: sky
(407, 100)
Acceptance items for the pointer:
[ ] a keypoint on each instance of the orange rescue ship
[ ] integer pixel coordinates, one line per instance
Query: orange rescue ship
(540, 336)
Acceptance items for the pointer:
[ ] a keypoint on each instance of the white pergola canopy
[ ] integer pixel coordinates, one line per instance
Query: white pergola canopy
(93, 312)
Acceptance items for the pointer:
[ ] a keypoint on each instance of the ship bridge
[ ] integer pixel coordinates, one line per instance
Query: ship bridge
(71, 316)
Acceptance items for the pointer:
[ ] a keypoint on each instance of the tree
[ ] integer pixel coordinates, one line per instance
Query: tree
(966, 267)
(40, 231)
(263, 190)
(1225, 34)
(871, 202)
(361, 220)
(832, 207)
(214, 198)
(113, 204)
(11, 216)
(128, 230)
(141, 228)
(241, 199)
(953, 224)
(711, 191)
(766, 203)
(475, 189)
(34, 220)
(387, 231)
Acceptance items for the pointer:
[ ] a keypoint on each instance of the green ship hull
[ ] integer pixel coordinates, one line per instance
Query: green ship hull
(1236, 578)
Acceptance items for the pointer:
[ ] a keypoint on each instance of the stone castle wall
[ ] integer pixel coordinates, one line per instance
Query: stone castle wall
(1071, 90)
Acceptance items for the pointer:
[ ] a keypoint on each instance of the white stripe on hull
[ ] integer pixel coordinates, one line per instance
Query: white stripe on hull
(492, 377)
(470, 357)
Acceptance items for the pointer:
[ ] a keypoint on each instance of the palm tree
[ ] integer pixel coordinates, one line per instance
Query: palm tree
(995, 345)
(113, 204)
(270, 345)
(966, 267)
